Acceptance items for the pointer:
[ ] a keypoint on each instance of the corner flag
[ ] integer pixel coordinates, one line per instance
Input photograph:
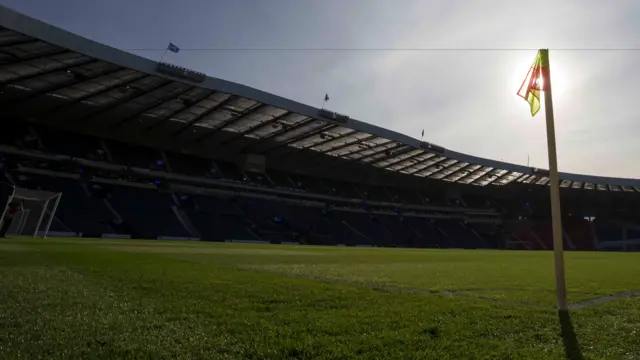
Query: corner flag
(533, 84)
(539, 80)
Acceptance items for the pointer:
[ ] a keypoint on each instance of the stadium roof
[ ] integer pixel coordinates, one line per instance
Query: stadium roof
(48, 72)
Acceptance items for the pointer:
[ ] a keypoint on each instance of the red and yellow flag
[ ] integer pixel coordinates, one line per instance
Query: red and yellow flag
(533, 84)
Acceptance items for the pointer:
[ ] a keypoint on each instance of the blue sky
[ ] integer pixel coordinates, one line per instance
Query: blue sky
(465, 100)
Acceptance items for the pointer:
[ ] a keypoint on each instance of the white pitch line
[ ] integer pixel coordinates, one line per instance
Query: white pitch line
(604, 299)
(461, 293)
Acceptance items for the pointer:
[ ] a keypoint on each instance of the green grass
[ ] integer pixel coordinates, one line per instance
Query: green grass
(66, 299)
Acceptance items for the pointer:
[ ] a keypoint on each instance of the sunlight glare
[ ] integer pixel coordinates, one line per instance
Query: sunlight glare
(540, 83)
(559, 75)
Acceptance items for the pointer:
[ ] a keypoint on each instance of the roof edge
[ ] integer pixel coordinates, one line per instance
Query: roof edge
(18, 22)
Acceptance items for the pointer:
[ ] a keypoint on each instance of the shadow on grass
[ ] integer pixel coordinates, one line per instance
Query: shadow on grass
(569, 339)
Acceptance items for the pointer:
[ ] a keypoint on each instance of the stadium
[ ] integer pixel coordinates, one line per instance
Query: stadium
(252, 194)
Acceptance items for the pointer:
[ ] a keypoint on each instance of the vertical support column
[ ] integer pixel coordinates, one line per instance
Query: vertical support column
(105, 148)
(166, 161)
(44, 210)
(6, 206)
(53, 214)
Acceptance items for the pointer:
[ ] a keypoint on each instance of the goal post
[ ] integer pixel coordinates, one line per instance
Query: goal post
(39, 210)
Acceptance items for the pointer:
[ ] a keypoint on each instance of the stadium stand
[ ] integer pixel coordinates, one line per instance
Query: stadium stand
(580, 233)
(139, 205)
(149, 150)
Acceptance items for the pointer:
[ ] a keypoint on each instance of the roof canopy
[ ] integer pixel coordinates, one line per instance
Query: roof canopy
(48, 73)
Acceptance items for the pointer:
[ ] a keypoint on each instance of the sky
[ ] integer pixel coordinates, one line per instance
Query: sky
(450, 67)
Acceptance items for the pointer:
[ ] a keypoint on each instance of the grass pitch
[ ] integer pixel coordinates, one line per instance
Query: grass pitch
(66, 299)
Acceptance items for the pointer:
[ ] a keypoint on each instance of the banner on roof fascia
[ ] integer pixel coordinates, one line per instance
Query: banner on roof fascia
(180, 72)
(540, 172)
(432, 147)
(332, 115)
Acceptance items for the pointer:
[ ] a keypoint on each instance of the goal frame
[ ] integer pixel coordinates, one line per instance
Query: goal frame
(46, 200)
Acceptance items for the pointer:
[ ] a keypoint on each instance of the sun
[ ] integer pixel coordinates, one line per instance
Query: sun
(540, 83)
(559, 74)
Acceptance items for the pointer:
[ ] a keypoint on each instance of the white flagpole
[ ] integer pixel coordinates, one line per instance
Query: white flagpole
(165, 52)
(554, 186)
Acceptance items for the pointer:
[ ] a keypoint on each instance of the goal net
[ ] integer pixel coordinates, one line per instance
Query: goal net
(39, 209)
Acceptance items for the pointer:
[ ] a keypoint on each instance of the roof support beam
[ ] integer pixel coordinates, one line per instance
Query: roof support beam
(324, 142)
(346, 145)
(490, 176)
(17, 59)
(369, 148)
(378, 152)
(16, 102)
(500, 177)
(459, 171)
(302, 136)
(273, 135)
(442, 168)
(22, 39)
(175, 112)
(156, 103)
(62, 67)
(56, 111)
(531, 180)
(255, 128)
(403, 160)
(543, 180)
(390, 156)
(201, 116)
(231, 121)
(474, 174)
(428, 166)
(424, 161)
(119, 102)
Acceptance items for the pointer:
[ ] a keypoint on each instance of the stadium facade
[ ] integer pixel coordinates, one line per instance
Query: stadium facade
(146, 149)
